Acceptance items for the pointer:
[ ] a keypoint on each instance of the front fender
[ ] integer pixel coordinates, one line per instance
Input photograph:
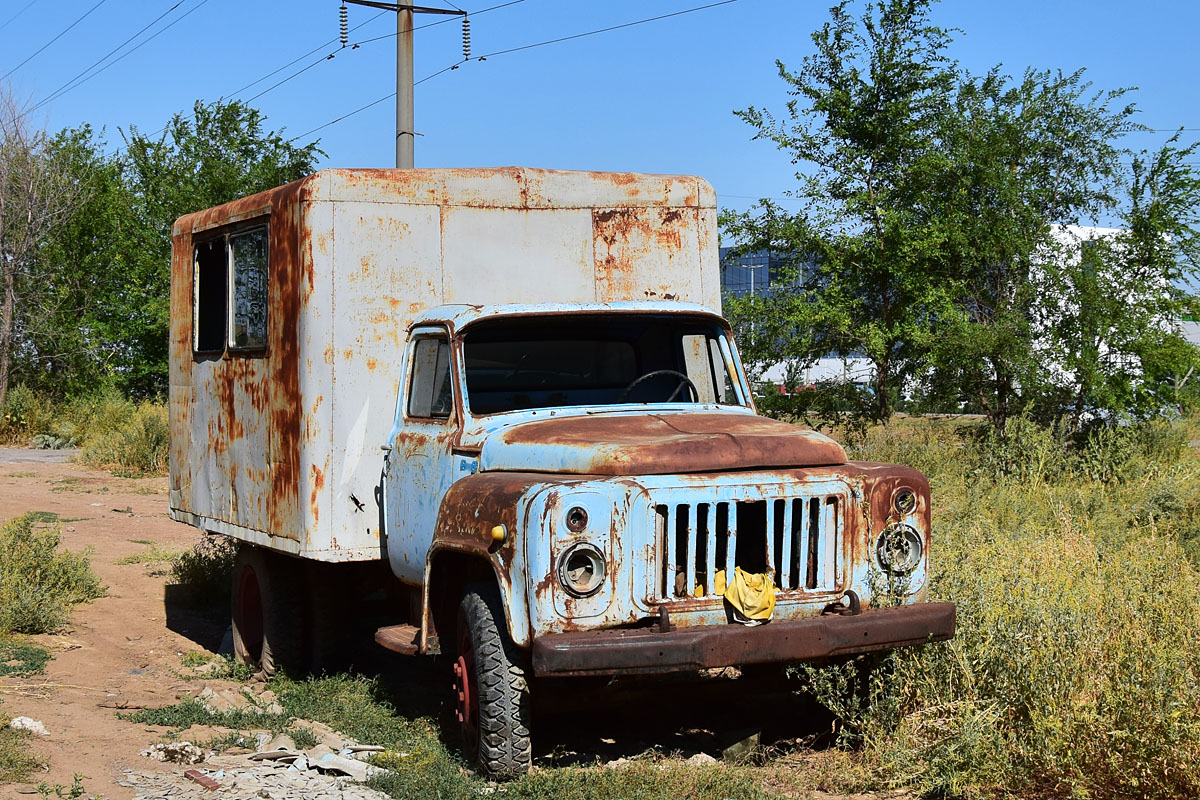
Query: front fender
(471, 508)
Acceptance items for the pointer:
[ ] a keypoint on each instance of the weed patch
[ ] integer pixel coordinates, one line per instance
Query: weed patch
(159, 558)
(39, 584)
(137, 446)
(19, 658)
(1073, 562)
(16, 762)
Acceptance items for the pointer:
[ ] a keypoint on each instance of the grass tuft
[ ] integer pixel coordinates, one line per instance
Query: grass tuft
(20, 659)
(16, 762)
(39, 583)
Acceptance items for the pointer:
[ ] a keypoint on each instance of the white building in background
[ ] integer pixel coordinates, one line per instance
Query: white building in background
(1190, 329)
(1072, 242)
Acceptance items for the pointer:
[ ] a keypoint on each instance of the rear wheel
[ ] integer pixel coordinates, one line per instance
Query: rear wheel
(266, 629)
(491, 688)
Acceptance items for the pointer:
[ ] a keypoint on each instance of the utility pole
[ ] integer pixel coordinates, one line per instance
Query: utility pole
(405, 114)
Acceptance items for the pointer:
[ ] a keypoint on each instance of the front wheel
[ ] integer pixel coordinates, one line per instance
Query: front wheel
(491, 688)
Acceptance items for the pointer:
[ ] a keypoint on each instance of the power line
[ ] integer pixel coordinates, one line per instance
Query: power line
(19, 13)
(457, 64)
(373, 103)
(139, 45)
(355, 45)
(606, 30)
(320, 47)
(52, 41)
(66, 87)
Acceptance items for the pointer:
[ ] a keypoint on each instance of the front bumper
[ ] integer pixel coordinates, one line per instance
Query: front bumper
(646, 651)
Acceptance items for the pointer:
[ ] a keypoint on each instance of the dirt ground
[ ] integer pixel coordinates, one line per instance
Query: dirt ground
(121, 651)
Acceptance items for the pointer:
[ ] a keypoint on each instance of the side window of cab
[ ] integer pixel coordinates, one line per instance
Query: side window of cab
(430, 388)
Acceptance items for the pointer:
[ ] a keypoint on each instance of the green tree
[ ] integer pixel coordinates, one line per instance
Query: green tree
(1025, 159)
(863, 124)
(940, 230)
(1116, 338)
(73, 316)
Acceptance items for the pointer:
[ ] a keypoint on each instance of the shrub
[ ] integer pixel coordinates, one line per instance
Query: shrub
(206, 571)
(38, 583)
(25, 414)
(138, 445)
(1073, 670)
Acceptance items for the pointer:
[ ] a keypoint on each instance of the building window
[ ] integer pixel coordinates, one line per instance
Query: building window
(230, 297)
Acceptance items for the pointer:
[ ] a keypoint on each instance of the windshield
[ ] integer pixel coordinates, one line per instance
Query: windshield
(575, 360)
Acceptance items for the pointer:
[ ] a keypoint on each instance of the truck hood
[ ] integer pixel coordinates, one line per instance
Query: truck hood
(656, 444)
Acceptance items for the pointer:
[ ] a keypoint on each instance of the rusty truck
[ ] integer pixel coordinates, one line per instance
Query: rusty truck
(499, 408)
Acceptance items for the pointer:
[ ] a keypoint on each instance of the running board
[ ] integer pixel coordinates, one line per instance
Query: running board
(403, 639)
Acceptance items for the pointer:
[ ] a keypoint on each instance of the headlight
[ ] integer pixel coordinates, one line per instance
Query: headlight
(581, 569)
(905, 501)
(899, 549)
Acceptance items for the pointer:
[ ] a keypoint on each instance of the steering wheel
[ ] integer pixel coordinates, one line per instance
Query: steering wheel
(684, 381)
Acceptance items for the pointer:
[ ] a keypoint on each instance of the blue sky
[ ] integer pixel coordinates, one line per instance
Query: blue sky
(654, 97)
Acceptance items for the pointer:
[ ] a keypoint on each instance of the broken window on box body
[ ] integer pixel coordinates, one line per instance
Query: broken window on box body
(249, 259)
(230, 300)
(212, 271)
(430, 393)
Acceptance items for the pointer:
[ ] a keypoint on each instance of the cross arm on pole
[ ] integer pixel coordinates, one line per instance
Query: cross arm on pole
(406, 7)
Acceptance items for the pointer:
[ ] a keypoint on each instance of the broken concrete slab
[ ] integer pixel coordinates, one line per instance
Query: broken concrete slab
(28, 724)
(175, 752)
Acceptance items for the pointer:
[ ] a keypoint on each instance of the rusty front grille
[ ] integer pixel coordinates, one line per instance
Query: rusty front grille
(797, 539)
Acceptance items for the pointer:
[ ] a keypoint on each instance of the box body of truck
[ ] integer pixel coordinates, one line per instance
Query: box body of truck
(290, 309)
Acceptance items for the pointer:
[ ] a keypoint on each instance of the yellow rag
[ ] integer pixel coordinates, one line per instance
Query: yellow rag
(752, 594)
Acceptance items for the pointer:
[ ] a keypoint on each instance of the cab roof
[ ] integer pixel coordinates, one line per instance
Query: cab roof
(458, 316)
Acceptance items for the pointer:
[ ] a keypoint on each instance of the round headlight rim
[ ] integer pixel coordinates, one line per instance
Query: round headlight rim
(599, 572)
(916, 549)
(576, 519)
(904, 496)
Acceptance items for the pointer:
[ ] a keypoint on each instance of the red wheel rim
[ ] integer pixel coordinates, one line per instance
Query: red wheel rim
(250, 615)
(466, 694)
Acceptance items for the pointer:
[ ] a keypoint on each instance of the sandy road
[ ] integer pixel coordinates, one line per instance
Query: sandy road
(121, 650)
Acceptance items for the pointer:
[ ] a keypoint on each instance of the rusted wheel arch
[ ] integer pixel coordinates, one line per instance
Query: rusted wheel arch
(451, 572)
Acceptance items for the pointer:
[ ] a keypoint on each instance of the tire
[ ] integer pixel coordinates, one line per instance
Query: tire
(491, 688)
(266, 625)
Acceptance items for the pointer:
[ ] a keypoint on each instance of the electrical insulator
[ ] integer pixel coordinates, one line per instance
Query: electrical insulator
(344, 24)
(466, 25)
